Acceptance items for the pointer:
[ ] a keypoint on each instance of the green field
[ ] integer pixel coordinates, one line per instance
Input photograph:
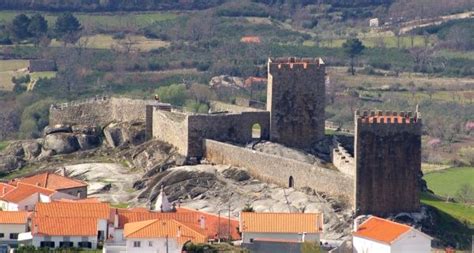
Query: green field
(3, 145)
(461, 212)
(447, 182)
(105, 21)
(387, 41)
(8, 70)
(103, 41)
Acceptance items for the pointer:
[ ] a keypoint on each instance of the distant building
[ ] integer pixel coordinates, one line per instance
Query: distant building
(374, 22)
(280, 232)
(42, 65)
(377, 235)
(250, 39)
(12, 223)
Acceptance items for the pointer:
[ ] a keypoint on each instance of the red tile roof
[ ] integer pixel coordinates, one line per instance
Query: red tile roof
(281, 222)
(251, 39)
(52, 181)
(87, 200)
(212, 222)
(64, 226)
(163, 228)
(382, 230)
(127, 216)
(4, 188)
(23, 191)
(13, 217)
(73, 210)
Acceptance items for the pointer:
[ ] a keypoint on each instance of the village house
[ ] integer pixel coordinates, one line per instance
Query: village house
(83, 225)
(5, 188)
(251, 40)
(12, 223)
(160, 236)
(377, 235)
(279, 232)
(26, 196)
(56, 182)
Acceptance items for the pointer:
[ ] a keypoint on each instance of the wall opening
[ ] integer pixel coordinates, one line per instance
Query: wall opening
(291, 182)
(256, 131)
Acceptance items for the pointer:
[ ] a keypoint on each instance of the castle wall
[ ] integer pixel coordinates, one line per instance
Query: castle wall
(236, 128)
(276, 169)
(388, 162)
(99, 111)
(217, 106)
(171, 127)
(296, 100)
(343, 160)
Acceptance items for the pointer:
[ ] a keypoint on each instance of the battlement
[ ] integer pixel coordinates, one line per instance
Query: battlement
(387, 117)
(295, 63)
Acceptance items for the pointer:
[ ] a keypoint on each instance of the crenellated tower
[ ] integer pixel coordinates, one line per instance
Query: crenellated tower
(388, 162)
(296, 100)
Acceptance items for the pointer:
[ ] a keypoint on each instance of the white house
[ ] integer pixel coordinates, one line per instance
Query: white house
(153, 236)
(374, 22)
(26, 196)
(287, 227)
(377, 235)
(12, 223)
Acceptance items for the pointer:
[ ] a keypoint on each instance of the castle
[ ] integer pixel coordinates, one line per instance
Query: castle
(381, 179)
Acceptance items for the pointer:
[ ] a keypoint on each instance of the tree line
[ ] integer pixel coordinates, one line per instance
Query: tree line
(106, 5)
(35, 29)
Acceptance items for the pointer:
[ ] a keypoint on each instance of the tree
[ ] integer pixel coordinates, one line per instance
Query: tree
(19, 27)
(174, 94)
(38, 28)
(67, 28)
(353, 48)
(465, 194)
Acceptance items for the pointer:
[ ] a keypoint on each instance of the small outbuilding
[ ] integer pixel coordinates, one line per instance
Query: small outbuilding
(42, 65)
(377, 235)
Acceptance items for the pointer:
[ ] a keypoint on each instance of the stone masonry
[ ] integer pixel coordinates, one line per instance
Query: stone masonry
(296, 100)
(388, 162)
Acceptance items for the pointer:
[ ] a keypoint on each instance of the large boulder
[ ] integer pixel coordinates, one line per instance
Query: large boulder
(15, 149)
(32, 149)
(61, 143)
(236, 174)
(225, 81)
(86, 141)
(119, 134)
(9, 163)
(57, 129)
(87, 129)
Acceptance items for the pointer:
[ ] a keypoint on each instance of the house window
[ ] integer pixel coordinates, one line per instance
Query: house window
(47, 244)
(136, 244)
(14, 236)
(66, 244)
(150, 244)
(251, 240)
(85, 245)
(26, 207)
(2, 235)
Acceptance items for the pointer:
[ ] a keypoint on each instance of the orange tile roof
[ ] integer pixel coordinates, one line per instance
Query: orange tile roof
(13, 217)
(52, 181)
(163, 228)
(64, 226)
(5, 188)
(212, 222)
(381, 230)
(251, 39)
(281, 222)
(87, 200)
(23, 191)
(73, 209)
(127, 216)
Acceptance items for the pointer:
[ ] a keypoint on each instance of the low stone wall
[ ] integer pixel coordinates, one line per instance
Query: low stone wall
(99, 111)
(342, 159)
(217, 106)
(275, 169)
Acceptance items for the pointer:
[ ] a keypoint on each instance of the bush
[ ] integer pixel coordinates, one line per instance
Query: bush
(34, 118)
(467, 155)
(174, 94)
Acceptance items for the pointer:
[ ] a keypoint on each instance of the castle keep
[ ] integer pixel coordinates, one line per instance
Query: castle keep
(296, 100)
(388, 162)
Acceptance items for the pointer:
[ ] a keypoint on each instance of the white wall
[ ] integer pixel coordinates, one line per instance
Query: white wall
(61, 195)
(56, 239)
(362, 245)
(412, 242)
(280, 236)
(158, 245)
(8, 229)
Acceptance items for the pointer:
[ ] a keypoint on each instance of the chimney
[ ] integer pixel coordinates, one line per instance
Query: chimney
(35, 229)
(202, 222)
(357, 220)
(179, 232)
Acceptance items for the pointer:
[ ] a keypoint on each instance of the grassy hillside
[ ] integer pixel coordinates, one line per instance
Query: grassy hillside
(447, 182)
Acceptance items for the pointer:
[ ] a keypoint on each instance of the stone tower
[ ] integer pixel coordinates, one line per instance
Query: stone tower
(296, 100)
(388, 162)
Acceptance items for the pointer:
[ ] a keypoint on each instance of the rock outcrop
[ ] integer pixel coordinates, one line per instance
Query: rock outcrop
(61, 143)
(124, 133)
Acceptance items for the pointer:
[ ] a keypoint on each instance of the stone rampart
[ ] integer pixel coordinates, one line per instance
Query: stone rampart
(279, 170)
(171, 127)
(342, 159)
(99, 111)
(217, 106)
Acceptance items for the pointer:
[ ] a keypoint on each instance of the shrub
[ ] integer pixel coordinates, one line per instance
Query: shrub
(174, 94)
